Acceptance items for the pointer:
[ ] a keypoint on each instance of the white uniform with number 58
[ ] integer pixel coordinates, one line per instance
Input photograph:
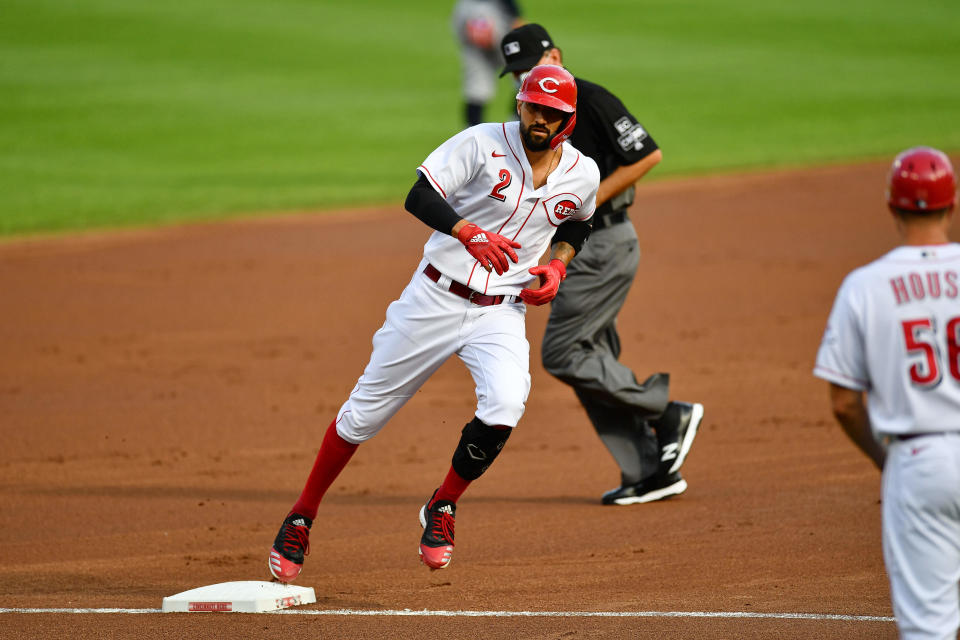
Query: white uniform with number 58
(894, 332)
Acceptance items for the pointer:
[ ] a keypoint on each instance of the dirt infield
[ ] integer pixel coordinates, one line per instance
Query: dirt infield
(163, 393)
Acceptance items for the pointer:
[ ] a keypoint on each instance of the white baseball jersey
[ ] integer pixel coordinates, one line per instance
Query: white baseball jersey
(895, 332)
(483, 173)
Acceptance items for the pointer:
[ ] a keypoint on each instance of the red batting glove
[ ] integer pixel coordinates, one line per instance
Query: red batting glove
(488, 248)
(551, 275)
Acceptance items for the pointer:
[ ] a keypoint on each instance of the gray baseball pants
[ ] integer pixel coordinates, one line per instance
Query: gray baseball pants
(581, 347)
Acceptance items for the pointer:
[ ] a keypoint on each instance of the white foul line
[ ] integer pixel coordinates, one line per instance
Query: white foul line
(584, 614)
(514, 614)
(79, 610)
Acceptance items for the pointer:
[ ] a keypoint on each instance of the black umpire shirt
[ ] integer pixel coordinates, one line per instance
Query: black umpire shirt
(609, 134)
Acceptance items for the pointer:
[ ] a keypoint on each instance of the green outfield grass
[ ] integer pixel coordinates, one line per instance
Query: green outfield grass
(133, 112)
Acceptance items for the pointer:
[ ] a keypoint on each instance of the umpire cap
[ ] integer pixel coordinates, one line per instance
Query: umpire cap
(524, 46)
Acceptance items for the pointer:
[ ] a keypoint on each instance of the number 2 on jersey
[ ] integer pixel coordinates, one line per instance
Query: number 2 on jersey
(505, 180)
(920, 339)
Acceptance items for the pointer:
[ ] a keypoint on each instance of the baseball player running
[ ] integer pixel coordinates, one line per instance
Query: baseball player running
(648, 436)
(498, 195)
(894, 335)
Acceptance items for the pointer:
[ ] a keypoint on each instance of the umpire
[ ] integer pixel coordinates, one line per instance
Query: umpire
(648, 436)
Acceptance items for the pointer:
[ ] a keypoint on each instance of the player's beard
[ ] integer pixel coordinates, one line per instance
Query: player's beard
(533, 144)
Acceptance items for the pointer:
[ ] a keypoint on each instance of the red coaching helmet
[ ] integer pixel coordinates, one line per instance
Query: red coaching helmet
(553, 86)
(921, 179)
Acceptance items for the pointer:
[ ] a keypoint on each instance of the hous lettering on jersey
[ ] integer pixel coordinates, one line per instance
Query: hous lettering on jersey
(927, 285)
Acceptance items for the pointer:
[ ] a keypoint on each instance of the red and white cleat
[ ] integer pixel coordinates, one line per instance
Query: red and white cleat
(436, 543)
(290, 546)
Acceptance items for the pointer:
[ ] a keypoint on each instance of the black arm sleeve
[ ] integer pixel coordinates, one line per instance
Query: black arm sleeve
(425, 203)
(573, 232)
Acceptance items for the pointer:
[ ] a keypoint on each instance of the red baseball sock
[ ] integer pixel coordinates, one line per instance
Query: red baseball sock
(334, 454)
(452, 488)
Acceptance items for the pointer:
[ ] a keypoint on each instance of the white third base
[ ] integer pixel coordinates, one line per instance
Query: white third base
(247, 596)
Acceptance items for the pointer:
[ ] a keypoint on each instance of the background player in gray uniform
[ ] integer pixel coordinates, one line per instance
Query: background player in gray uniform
(478, 26)
(894, 335)
(648, 436)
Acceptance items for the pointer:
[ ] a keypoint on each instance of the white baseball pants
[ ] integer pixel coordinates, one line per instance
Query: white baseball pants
(921, 534)
(423, 328)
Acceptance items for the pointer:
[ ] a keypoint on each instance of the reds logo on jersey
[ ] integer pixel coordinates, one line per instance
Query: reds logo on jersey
(564, 209)
(562, 206)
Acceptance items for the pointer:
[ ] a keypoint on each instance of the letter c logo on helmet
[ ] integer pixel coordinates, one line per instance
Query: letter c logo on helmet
(552, 86)
(552, 81)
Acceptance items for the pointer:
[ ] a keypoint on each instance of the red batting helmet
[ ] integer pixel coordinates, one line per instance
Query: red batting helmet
(553, 86)
(921, 179)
